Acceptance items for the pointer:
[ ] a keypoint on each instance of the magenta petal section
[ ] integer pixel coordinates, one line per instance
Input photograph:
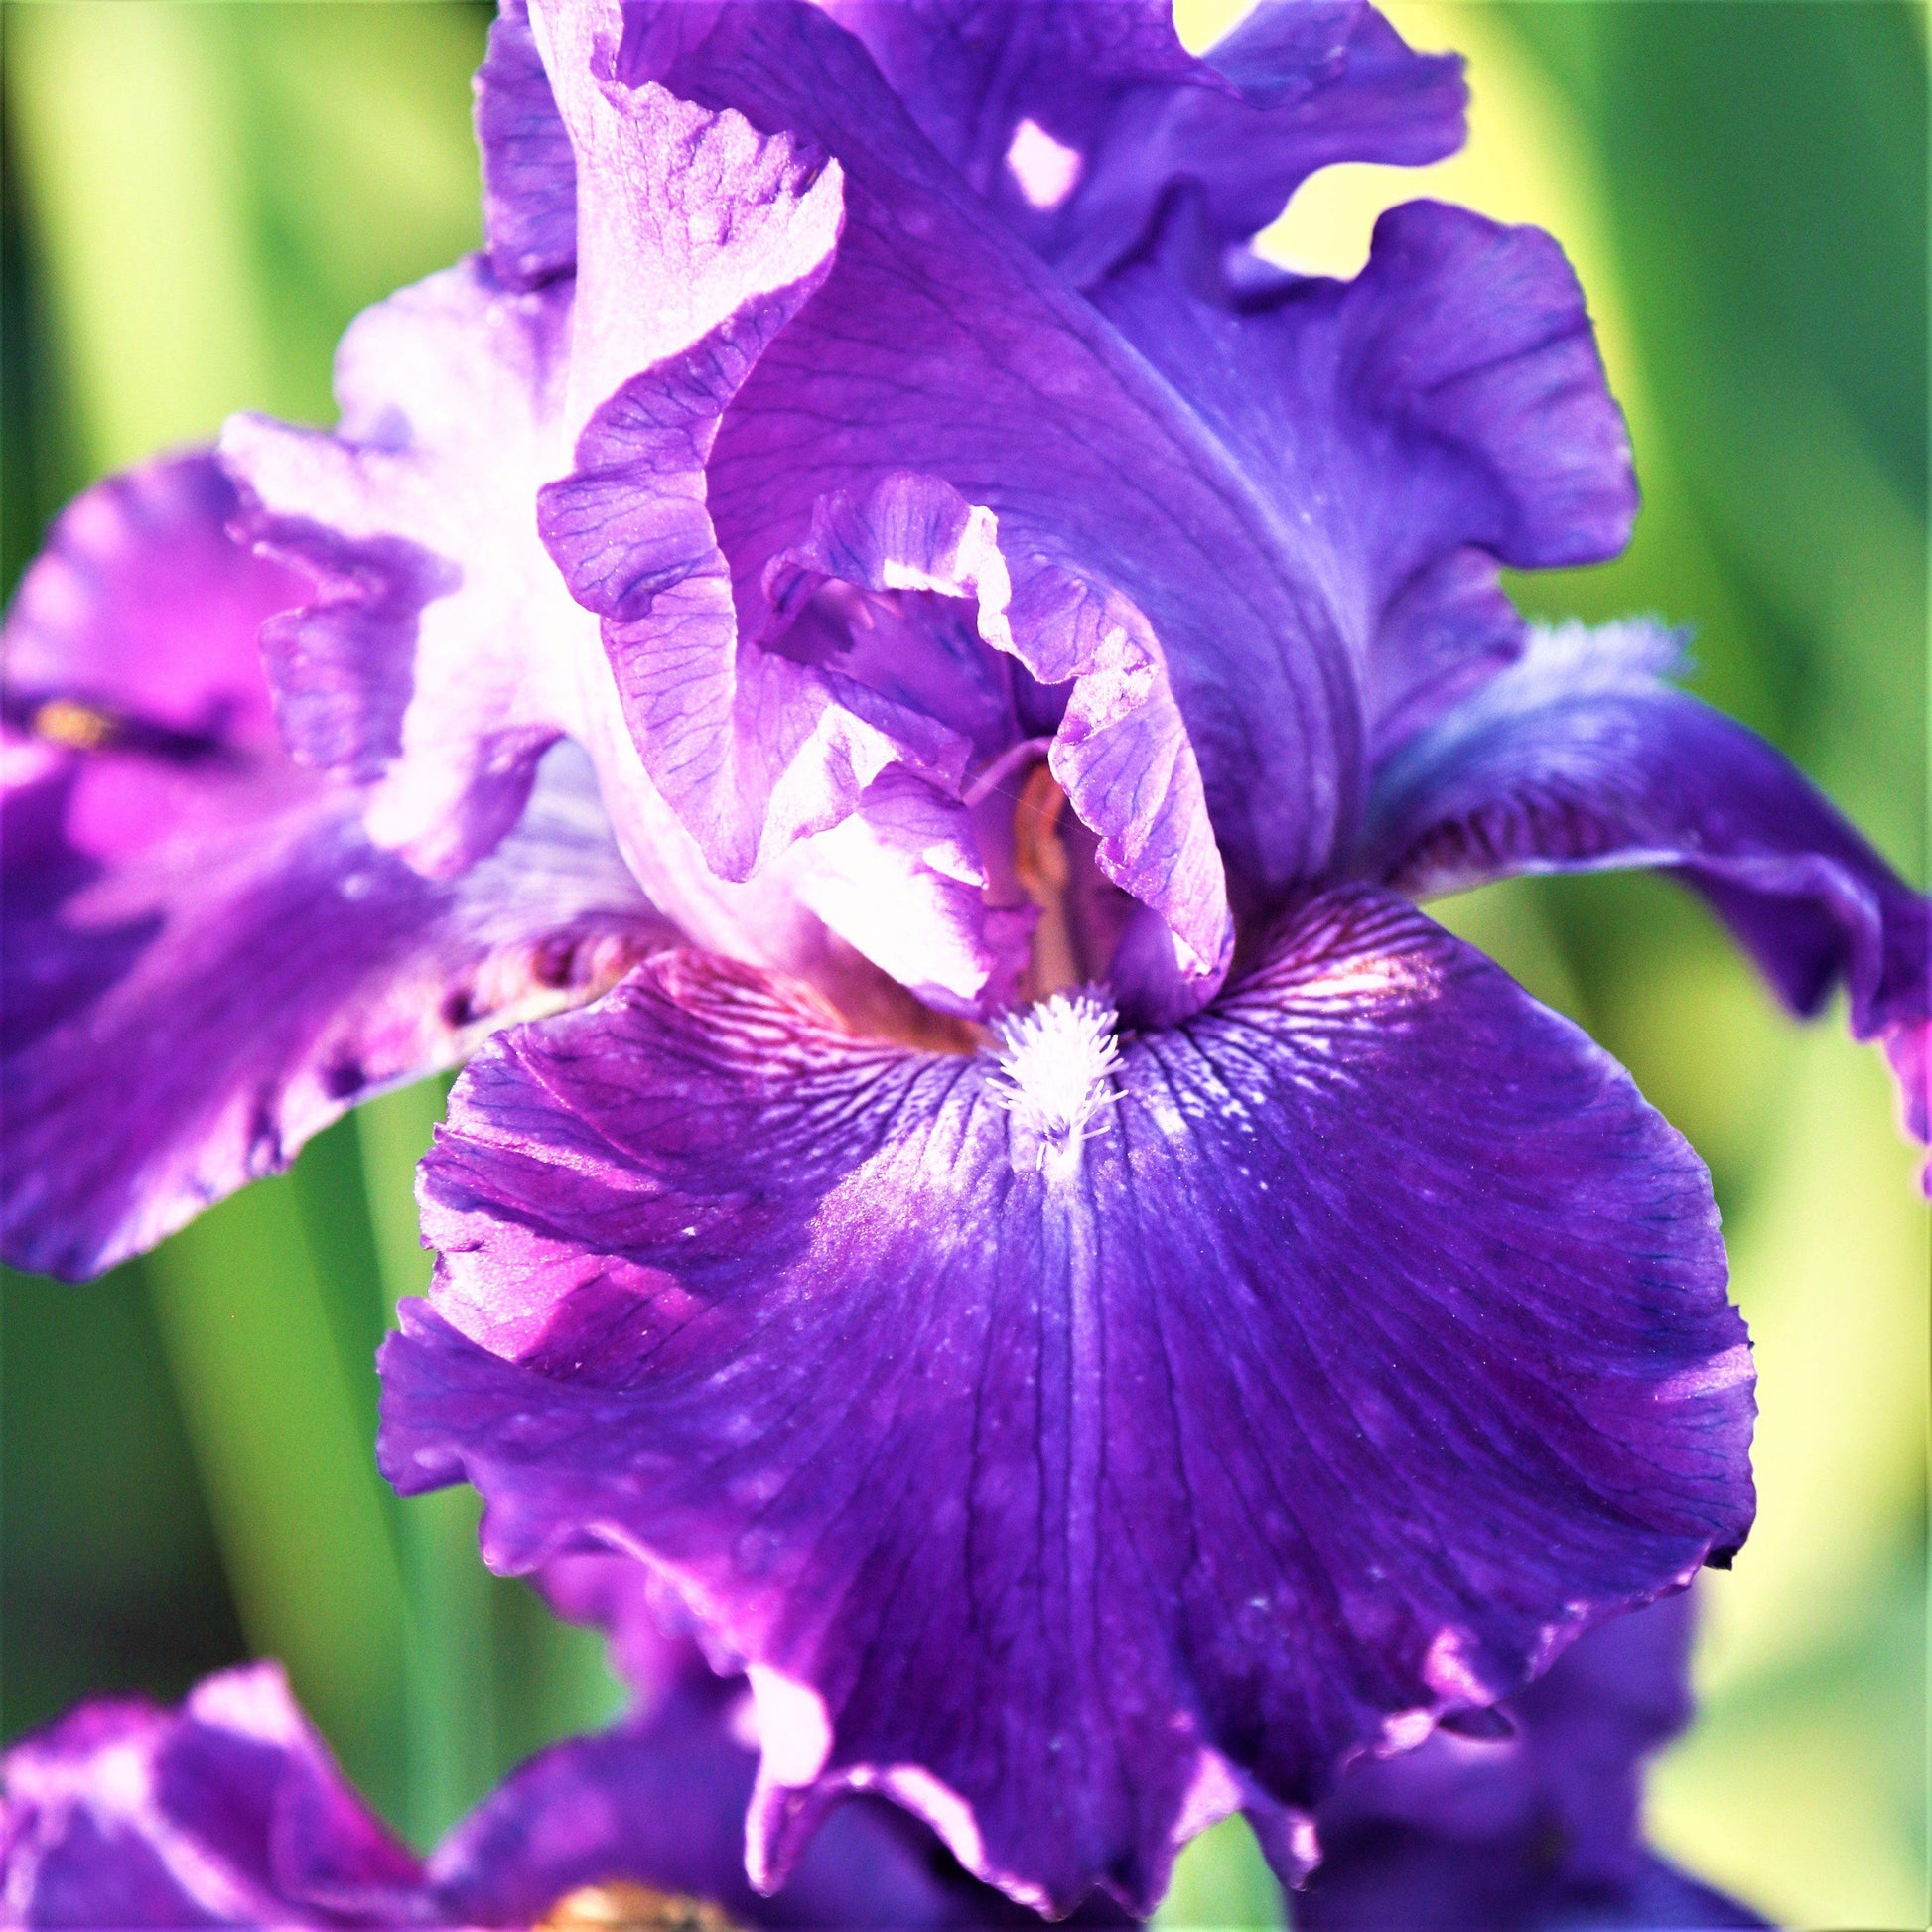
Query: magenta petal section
(1584, 757)
(229, 1811)
(204, 958)
(1373, 1346)
(142, 610)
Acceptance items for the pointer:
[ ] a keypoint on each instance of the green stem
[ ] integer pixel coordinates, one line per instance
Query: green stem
(276, 1428)
(451, 1718)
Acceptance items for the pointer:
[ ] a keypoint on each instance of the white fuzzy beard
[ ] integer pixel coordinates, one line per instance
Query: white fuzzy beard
(1057, 1060)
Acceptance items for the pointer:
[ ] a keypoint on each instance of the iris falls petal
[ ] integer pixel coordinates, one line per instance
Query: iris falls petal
(1368, 1343)
(1584, 757)
(229, 1810)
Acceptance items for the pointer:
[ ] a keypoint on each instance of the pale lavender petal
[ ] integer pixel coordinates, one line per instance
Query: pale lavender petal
(1582, 757)
(935, 344)
(748, 746)
(437, 652)
(1534, 1828)
(1371, 1346)
(1086, 684)
(1443, 413)
(529, 177)
(204, 959)
(229, 1811)
(903, 881)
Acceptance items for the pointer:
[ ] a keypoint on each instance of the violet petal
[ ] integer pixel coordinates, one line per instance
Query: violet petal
(1375, 1344)
(1533, 1832)
(1075, 122)
(1582, 758)
(229, 1811)
(664, 1800)
(529, 178)
(1443, 412)
(1310, 84)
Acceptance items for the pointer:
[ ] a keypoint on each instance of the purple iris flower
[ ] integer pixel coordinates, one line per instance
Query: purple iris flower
(1532, 1826)
(230, 1811)
(1098, 1306)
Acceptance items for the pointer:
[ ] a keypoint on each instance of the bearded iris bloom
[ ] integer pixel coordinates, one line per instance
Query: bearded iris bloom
(1097, 1305)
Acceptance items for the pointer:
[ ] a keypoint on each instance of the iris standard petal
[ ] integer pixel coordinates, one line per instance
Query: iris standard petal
(1074, 123)
(1304, 85)
(1366, 1341)
(935, 344)
(204, 958)
(529, 177)
(1443, 412)
(1533, 1827)
(1582, 757)
(436, 654)
(973, 75)
(977, 677)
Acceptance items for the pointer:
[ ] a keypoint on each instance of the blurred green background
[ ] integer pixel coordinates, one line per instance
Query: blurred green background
(198, 197)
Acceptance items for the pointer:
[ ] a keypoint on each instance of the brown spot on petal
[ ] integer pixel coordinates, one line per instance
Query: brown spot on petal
(622, 1907)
